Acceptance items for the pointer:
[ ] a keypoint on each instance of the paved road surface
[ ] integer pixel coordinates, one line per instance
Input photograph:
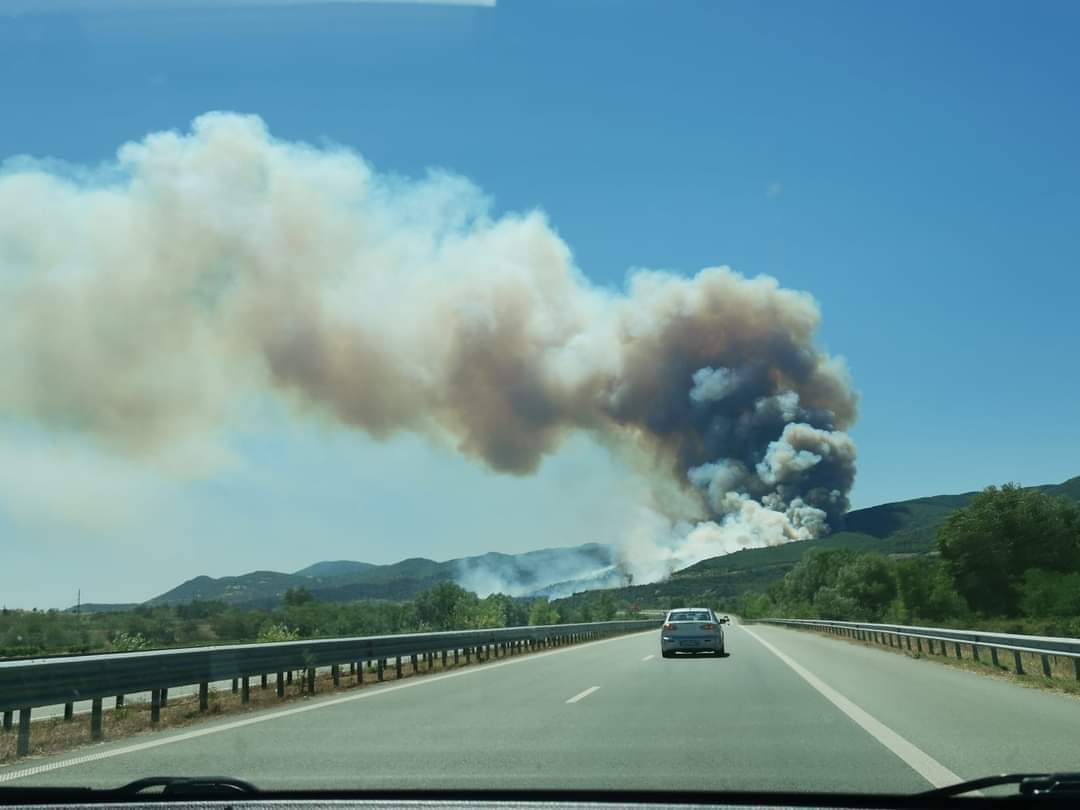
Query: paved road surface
(784, 710)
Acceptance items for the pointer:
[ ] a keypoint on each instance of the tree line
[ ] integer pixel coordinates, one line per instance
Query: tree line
(446, 606)
(1010, 559)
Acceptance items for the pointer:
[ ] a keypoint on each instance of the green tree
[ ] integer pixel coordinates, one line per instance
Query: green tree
(816, 570)
(866, 582)
(435, 607)
(1001, 534)
(925, 592)
(541, 612)
(605, 607)
(1050, 593)
(298, 596)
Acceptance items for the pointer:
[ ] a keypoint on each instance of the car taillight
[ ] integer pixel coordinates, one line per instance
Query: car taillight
(669, 627)
(708, 627)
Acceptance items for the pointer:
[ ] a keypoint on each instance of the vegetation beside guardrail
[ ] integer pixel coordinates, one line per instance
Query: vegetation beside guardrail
(1053, 660)
(26, 684)
(444, 606)
(1008, 561)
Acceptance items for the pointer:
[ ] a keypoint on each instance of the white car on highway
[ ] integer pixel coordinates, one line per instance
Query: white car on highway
(692, 630)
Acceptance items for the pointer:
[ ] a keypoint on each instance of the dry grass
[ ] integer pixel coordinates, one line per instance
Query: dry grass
(1063, 675)
(53, 735)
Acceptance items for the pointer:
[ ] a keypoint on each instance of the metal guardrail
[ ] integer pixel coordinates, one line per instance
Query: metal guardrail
(27, 684)
(1042, 646)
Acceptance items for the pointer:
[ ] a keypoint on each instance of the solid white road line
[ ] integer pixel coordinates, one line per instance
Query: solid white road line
(374, 692)
(583, 695)
(918, 760)
(648, 658)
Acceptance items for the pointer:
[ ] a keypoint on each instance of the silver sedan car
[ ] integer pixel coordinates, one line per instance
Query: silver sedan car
(692, 630)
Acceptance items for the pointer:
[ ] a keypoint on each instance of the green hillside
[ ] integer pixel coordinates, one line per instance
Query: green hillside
(904, 527)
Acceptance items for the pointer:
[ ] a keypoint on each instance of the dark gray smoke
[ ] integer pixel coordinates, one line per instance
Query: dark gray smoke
(143, 301)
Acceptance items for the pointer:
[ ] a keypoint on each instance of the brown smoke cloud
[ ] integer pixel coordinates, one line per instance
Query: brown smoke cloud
(143, 300)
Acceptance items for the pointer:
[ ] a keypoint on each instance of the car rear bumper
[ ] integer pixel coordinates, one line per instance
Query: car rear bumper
(691, 643)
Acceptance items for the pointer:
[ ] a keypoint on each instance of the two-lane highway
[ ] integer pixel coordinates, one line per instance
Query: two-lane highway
(783, 711)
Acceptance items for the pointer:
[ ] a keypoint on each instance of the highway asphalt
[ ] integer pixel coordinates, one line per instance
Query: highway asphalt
(785, 710)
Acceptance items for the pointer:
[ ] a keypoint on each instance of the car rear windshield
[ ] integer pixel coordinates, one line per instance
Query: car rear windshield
(691, 616)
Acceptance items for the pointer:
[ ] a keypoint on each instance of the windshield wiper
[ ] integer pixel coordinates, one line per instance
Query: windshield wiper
(177, 786)
(1028, 784)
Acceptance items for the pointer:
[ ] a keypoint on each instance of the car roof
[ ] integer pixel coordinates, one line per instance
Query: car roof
(690, 610)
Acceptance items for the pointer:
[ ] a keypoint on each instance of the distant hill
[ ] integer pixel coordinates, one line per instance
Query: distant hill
(347, 580)
(335, 568)
(904, 527)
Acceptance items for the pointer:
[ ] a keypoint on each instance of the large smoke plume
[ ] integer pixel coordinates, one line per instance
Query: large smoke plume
(143, 300)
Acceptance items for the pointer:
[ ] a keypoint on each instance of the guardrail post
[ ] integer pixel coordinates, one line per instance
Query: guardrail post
(119, 701)
(288, 677)
(164, 696)
(245, 689)
(69, 712)
(397, 668)
(1018, 663)
(22, 745)
(1076, 667)
(235, 685)
(352, 667)
(204, 695)
(335, 674)
(1046, 666)
(380, 667)
(444, 659)
(359, 667)
(95, 719)
(7, 720)
(908, 639)
(155, 706)
(262, 681)
(311, 680)
(959, 654)
(918, 644)
(975, 652)
(994, 657)
(279, 684)
(415, 666)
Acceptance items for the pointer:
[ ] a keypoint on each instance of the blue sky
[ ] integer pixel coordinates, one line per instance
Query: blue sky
(912, 165)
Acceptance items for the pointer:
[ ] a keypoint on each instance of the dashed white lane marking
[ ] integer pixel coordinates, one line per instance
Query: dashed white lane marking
(648, 658)
(583, 695)
(22, 773)
(918, 760)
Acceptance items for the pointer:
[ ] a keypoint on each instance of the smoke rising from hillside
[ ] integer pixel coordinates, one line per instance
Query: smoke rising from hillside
(142, 301)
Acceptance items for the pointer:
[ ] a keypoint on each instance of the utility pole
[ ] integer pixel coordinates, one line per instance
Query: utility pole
(78, 603)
